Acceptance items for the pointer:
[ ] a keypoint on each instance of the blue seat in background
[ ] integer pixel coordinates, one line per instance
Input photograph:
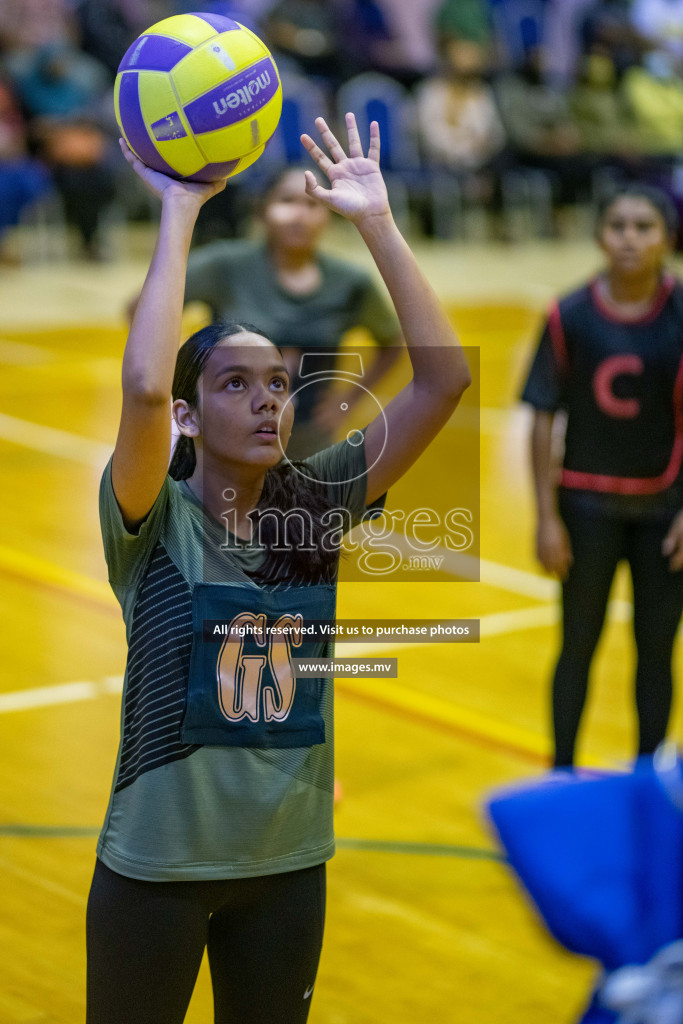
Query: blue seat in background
(376, 97)
(519, 25)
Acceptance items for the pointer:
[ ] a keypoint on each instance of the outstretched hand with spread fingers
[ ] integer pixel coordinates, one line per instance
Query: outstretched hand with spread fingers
(358, 191)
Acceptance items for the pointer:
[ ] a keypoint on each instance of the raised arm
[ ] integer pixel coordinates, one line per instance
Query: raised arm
(143, 443)
(440, 374)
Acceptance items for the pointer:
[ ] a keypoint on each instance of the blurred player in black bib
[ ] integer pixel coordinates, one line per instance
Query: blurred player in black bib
(611, 360)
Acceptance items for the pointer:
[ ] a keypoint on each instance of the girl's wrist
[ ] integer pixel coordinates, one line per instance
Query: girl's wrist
(179, 216)
(376, 225)
(547, 510)
(181, 201)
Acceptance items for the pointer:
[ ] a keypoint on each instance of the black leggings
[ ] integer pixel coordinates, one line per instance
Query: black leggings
(598, 544)
(146, 941)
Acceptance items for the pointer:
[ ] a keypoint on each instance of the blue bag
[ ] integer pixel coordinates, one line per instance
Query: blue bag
(601, 856)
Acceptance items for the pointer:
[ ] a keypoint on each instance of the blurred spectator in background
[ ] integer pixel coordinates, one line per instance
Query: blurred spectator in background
(661, 23)
(459, 124)
(62, 89)
(594, 83)
(57, 80)
(251, 13)
(561, 39)
(22, 179)
(542, 132)
(308, 34)
(25, 24)
(601, 114)
(600, 111)
(519, 25)
(654, 93)
(608, 28)
(464, 19)
(108, 27)
(409, 51)
(365, 34)
(79, 155)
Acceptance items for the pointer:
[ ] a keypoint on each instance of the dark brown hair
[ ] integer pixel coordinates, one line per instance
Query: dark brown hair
(658, 199)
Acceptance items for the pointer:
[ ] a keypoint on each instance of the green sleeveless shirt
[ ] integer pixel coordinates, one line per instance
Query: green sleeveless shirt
(184, 811)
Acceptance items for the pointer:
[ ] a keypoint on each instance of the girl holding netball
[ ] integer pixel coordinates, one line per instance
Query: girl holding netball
(220, 817)
(611, 359)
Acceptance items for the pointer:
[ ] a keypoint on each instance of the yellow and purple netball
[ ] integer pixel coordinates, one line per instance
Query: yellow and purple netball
(197, 97)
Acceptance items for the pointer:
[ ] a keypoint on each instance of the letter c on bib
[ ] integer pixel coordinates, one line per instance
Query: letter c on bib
(603, 378)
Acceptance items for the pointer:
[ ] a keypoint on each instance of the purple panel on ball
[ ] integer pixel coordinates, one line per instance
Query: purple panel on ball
(218, 22)
(234, 100)
(168, 128)
(154, 53)
(212, 172)
(135, 128)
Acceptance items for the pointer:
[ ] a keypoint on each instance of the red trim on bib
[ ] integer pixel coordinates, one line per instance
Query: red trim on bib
(638, 485)
(665, 289)
(557, 337)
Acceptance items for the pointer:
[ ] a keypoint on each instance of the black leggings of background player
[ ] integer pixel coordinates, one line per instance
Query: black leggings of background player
(599, 542)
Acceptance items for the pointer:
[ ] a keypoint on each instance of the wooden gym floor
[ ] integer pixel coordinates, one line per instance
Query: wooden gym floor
(424, 922)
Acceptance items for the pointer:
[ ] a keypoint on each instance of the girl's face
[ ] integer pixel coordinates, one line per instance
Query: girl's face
(633, 237)
(242, 408)
(292, 218)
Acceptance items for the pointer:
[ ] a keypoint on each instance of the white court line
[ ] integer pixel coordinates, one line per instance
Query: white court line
(64, 693)
(469, 568)
(52, 441)
(65, 445)
(41, 696)
(517, 621)
(495, 624)
(518, 581)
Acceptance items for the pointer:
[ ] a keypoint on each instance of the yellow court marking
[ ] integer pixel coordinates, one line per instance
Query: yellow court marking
(62, 693)
(39, 570)
(415, 703)
(53, 441)
(425, 706)
(21, 353)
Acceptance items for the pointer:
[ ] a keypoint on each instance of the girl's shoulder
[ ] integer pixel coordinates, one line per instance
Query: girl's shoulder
(337, 269)
(572, 307)
(676, 288)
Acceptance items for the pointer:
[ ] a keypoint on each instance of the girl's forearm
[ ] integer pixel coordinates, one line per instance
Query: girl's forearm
(542, 464)
(154, 336)
(439, 364)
